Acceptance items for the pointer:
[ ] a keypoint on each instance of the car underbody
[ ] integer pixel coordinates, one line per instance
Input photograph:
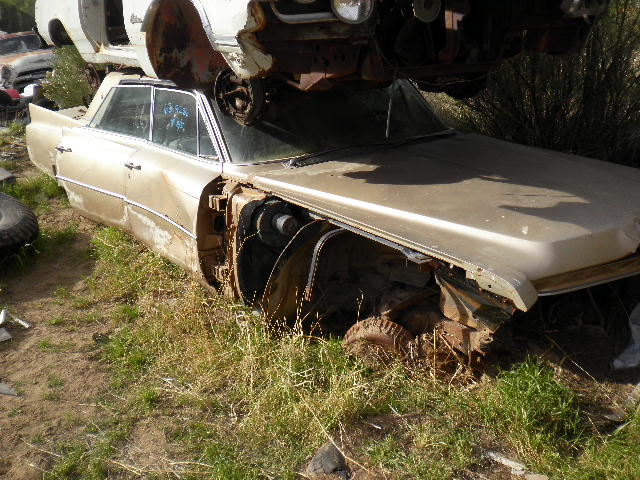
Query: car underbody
(444, 45)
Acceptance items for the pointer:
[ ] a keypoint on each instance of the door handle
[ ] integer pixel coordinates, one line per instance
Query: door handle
(62, 149)
(131, 166)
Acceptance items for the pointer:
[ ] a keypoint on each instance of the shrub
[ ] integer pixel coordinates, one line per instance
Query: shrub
(586, 103)
(67, 86)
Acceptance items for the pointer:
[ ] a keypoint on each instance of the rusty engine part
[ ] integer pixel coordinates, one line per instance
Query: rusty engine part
(378, 341)
(290, 265)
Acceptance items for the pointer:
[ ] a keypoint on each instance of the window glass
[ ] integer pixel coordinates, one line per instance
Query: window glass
(174, 121)
(340, 118)
(126, 110)
(206, 145)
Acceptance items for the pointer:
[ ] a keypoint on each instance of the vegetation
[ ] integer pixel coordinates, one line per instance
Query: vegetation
(17, 15)
(586, 103)
(67, 86)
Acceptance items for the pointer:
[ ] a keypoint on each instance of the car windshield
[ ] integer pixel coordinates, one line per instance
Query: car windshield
(309, 123)
(21, 44)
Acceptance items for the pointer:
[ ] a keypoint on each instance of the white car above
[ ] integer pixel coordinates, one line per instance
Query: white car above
(445, 45)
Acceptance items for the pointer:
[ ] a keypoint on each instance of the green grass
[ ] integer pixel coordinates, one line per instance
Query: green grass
(35, 192)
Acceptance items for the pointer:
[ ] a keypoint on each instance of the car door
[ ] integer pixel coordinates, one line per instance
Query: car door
(166, 186)
(92, 161)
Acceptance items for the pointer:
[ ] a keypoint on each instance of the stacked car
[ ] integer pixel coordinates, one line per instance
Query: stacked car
(24, 63)
(444, 45)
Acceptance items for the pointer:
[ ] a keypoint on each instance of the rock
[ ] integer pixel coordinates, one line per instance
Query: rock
(4, 335)
(535, 476)
(6, 177)
(7, 390)
(328, 460)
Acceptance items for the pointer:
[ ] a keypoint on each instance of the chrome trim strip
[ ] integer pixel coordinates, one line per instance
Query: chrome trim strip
(584, 286)
(221, 146)
(130, 202)
(303, 17)
(90, 187)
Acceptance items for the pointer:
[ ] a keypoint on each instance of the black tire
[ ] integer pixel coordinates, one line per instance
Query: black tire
(18, 224)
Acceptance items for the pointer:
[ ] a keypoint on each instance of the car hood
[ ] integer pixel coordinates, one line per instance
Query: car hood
(35, 60)
(510, 213)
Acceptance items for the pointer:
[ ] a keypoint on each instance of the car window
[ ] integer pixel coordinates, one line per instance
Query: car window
(175, 121)
(126, 110)
(340, 118)
(20, 44)
(206, 144)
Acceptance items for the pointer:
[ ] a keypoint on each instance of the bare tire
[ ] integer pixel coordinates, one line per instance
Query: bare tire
(376, 340)
(18, 224)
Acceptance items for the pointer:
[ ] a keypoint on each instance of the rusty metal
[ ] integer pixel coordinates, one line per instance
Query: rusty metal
(179, 48)
(322, 241)
(588, 277)
(376, 340)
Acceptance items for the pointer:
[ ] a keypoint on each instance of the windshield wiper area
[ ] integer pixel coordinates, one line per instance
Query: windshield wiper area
(314, 158)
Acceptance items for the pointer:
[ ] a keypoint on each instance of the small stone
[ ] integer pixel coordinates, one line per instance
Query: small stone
(7, 390)
(328, 460)
(4, 335)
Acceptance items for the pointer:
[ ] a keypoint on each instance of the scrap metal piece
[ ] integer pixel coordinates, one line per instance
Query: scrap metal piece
(7, 390)
(6, 317)
(4, 335)
(630, 356)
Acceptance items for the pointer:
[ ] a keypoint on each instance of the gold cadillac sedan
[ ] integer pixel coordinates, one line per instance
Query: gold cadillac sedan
(355, 204)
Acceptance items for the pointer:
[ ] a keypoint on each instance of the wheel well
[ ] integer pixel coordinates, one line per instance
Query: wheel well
(58, 33)
(178, 46)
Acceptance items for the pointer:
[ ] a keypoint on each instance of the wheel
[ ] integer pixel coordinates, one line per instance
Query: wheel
(241, 99)
(18, 224)
(376, 340)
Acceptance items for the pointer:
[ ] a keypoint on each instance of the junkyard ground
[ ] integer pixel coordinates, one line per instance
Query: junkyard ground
(133, 370)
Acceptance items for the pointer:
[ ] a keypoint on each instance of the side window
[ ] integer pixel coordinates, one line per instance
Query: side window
(175, 121)
(126, 110)
(206, 144)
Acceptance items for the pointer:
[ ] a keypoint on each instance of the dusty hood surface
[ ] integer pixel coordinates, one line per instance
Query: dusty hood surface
(511, 213)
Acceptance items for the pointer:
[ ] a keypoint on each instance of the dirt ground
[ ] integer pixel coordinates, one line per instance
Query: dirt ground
(51, 365)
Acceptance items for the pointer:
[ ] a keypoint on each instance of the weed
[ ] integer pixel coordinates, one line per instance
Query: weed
(539, 415)
(51, 396)
(58, 320)
(14, 412)
(55, 382)
(46, 346)
(147, 399)
(35, 192)
(68, 87)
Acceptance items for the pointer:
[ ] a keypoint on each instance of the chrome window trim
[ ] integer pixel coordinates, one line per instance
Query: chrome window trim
(213, 127)
(200, 104)
(129, 202)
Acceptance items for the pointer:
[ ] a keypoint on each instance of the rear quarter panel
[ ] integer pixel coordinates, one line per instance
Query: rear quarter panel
(45, 131)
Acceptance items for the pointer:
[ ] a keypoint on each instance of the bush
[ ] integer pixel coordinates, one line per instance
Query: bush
(586, 103)
(67, 86)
